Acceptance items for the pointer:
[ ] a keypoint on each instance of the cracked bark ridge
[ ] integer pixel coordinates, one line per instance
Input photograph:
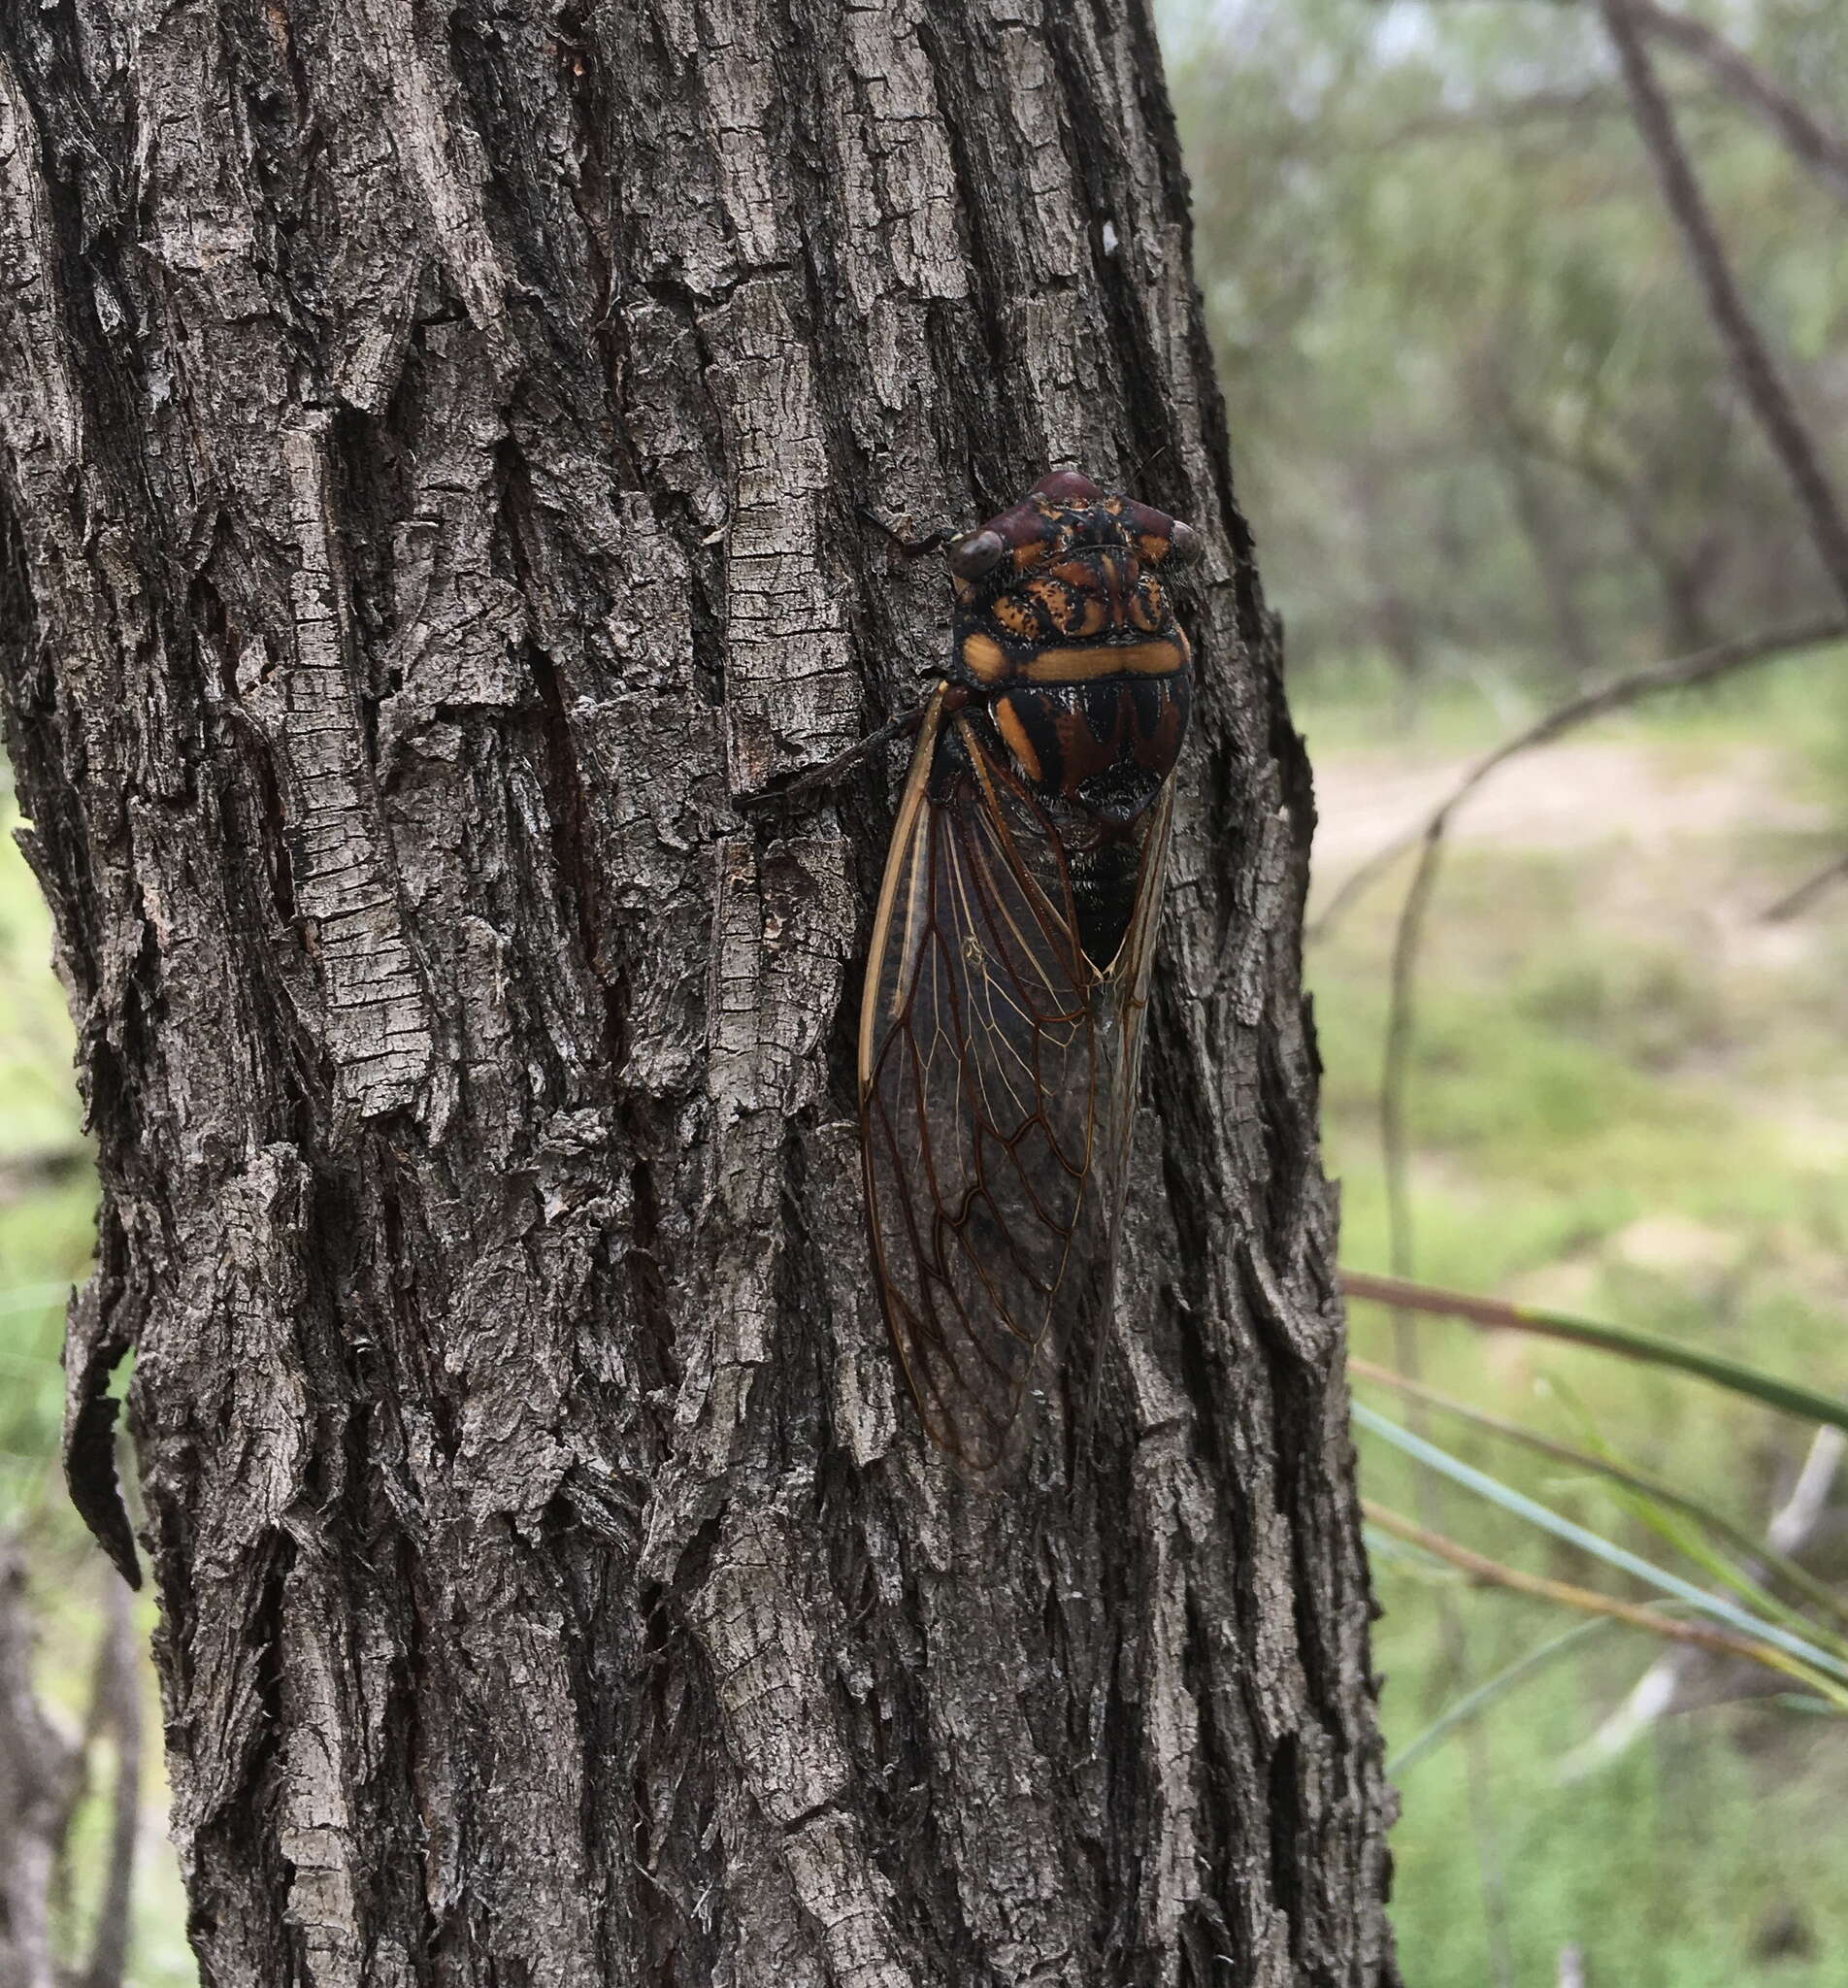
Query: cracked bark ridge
(432, 448)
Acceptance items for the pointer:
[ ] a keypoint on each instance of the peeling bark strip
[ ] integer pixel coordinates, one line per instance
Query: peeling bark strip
(431, 449)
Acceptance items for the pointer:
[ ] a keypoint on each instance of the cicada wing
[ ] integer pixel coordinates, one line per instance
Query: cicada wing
(977, 1089)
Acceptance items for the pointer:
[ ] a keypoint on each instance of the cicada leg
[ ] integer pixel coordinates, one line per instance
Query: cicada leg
(831, 772)
(906, 549)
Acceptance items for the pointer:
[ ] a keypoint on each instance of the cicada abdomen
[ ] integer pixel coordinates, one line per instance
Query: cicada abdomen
(1005, 991)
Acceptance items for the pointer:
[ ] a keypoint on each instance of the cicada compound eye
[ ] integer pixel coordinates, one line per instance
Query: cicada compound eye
(978, 553)
(1184, 544)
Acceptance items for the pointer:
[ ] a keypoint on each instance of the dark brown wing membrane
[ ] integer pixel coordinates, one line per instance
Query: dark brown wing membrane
(993, 1074)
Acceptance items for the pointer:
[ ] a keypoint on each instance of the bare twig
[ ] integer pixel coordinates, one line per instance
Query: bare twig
(1682, 672)
(1587, 1601)
(108, 1963)
(1754, 369)
(1452, 1633)
(1824, 152)
(1805, 894)
(1401, 1025)
(96, 1725)
(1797, 1520)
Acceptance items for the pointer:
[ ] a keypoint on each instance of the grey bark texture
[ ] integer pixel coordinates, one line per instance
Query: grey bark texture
(433, 445)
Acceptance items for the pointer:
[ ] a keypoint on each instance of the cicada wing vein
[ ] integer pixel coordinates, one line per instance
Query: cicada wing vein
(979, 1112)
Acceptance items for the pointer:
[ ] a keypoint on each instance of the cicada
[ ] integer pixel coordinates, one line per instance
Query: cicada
(1008, 981)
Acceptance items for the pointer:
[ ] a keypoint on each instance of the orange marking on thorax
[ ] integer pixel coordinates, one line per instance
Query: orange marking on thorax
(1136, 660)
(1014, 733)
(984, 657)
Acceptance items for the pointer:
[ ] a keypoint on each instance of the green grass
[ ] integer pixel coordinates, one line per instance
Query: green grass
(1628, 1098)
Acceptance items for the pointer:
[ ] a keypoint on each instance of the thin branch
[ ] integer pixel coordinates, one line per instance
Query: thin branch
(1401, 1026)
(1587, 1601)
(108, 1964)
(1797, 1520)
(1682, 672)
(1824, 152)
(1754, 369)
(1805, 894)
(1751, 1551)
(38, 1765)
(1453, 1632)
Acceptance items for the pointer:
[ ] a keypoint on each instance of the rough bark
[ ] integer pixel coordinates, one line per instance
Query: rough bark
(433, 445)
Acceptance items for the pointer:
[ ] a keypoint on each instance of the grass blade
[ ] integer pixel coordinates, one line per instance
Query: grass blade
(1663, 1582)
(1588, 1602)
(1652, 1490)
(1498, 1314)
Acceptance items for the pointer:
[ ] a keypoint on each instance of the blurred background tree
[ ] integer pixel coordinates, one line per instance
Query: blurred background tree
(1484, 423)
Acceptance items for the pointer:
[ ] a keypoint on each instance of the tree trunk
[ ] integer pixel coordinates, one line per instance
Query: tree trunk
(434, 447)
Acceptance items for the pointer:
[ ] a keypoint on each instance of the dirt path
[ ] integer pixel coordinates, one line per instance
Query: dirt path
(1559, 797)
(1682, 836)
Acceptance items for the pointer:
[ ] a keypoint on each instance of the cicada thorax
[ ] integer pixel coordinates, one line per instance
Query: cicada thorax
(1066, 641)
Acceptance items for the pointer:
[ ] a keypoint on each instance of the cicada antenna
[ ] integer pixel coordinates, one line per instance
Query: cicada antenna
(1154, 456)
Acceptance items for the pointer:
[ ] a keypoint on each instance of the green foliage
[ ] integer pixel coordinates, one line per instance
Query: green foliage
(1675, 1867)
(45, 1233)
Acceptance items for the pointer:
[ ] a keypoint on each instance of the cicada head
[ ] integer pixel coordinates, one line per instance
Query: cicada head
(1066, 585)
